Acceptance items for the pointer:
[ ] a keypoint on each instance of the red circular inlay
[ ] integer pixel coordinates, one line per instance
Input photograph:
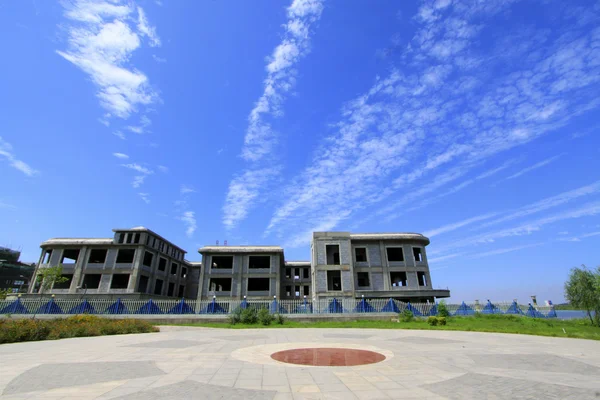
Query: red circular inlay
(328, 357)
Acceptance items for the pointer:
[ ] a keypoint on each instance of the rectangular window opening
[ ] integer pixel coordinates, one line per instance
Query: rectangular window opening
(333, 254)
(181, 291)
(171, 289)
(288, 291)
(417, 253)
(121, 239)
(143, 284)
(259, 262)
(91, 281)
(119, 281)
(174, 268)
(125, 256)
(222, 262)
(136, 238)
(395, 254)
(306, 273)
(360, 254)
(362, 279)
(162, 264)
(70, 256)
(422, 278)
(47, 255)
(97, 256)
(398, 278)
(66, 284)
(220, 284)
(158, 287)
(258, 284)
(129, 238)
(148, 259)
(288, 273)
(334, 280)
(297, 291)
(306, 290)
(183, 272)
(296, 273)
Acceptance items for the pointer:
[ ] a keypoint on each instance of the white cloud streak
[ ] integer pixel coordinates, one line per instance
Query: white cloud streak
(185, 189)
(7, 153)
(534, 166)
(122, 156)
(101, 40)
(440, 113)
(189, 219)
(457, 225)
(145, 197)
(260, 138)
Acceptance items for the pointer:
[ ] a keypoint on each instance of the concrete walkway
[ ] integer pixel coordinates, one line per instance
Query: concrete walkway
(199, 363)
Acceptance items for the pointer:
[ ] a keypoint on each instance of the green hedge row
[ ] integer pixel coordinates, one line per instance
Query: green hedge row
(24, 330)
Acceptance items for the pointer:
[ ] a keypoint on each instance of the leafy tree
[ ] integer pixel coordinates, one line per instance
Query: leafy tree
(583, 291)
(443, 309)
(4, 293)
(47, 277)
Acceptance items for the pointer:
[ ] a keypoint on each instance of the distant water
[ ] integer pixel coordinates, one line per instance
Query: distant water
(571, 314)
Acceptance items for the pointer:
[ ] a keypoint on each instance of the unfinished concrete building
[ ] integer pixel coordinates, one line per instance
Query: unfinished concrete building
(232, 272)
(134, 261)
(373, 265)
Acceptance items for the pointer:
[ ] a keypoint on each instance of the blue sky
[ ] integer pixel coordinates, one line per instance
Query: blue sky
(475, 123)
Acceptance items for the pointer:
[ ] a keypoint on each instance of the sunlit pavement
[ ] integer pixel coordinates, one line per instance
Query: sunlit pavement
(201, 363)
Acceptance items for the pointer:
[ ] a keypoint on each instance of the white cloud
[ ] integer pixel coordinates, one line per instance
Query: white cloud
(138, 168)
(138, 181)
(6, 152)
(189, 219)
(578, 238)
(436, 117)
(185, 189)
(243, 191)
(147, 30)
(159, 59)
(457, 225)
(145, 197)
(121, 156)
(100, 43)
(135, 129)
(163, 169)
(119, 134)
(503, 251)
(260, 138)
(534, 166)
(6, 205)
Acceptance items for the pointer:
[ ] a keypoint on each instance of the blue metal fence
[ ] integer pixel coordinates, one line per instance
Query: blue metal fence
(303, 306)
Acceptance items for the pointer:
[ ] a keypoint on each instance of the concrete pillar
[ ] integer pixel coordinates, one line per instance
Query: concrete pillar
(78, 270)
(31, 287)
(135, 272)
(387, 285)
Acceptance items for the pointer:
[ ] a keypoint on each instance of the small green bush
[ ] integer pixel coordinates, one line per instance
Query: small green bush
(265, 317)
(24, 330)
(441, 320)
(249, 316)
(236, 316)
(443, 309)
(280, 319)
(406, 316)
(433, 321)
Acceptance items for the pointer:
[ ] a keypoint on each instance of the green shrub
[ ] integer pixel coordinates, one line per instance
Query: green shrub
(441, 320)
(433, 321)
(248, 316)
(22, 330)
(406, 316)
(265, 317)
(236, 316)
(443, 309)
(280, 319)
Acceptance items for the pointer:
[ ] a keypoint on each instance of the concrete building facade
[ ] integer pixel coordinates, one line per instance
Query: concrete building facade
(342, 265)
(133, 261)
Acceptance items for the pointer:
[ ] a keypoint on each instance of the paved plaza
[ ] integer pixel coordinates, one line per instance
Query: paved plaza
(201, 363)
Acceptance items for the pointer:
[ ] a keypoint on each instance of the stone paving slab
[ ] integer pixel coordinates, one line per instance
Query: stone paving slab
(218, 363)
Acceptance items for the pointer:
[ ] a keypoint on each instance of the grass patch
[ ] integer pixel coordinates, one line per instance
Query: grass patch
(580, 328)
(26, 330)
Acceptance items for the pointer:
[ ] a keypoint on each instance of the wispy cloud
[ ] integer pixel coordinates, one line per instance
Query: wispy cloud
(185, 189)
(121, 156)
(242, 192)
(159, 59)
(119, 134)
(504, 250)
(439, 115)
(101, 39)
(457, 225)
(260, 138)
(534, 167)
(579, 237)
(138, 180)
(163, 169)
(6, 205)
(189, 219)
(145, 122)
(7, 153)
(145, 197)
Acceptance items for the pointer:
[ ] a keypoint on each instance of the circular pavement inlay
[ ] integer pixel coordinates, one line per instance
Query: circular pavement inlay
(328, 357)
